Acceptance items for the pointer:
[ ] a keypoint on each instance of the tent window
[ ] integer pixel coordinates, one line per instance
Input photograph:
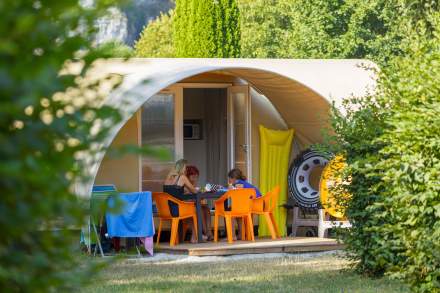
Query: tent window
(157, 131)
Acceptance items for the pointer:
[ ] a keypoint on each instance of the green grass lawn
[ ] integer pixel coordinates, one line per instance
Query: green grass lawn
(286, 274)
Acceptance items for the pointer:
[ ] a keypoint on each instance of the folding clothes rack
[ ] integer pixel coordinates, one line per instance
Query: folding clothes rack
(100, 194)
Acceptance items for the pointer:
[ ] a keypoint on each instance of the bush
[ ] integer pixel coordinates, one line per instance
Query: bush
(156, 39)
(410, 164)
(392, 145)
(354, 135)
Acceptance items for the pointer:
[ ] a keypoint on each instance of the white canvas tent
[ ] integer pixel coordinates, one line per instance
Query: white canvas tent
(300, 90)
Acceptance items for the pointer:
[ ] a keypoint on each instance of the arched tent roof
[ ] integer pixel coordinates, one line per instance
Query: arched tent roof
(301, 90)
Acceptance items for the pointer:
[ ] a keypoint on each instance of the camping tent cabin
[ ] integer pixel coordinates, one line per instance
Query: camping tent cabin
(208, 111)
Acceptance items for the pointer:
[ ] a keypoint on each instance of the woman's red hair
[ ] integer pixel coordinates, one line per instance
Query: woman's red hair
(192, 170)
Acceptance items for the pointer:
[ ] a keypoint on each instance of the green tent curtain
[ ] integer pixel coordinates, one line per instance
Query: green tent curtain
(275, 148)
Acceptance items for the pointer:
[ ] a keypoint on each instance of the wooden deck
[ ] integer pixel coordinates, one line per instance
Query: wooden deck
(265, 245)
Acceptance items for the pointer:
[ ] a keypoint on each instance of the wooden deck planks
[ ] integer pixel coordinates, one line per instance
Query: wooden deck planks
(288, 245)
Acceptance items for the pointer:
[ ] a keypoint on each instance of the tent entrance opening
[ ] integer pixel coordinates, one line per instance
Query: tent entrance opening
(205, 132)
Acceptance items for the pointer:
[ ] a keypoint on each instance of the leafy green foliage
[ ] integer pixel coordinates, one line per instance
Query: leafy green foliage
(50, 115)
(206, 28)
(156, 39)
(391, 142)
(116, 49)
(354, 135)
(265, 28)
(410, 162)
(327, 29)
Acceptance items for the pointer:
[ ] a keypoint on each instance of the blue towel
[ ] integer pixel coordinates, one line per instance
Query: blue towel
(135, 218)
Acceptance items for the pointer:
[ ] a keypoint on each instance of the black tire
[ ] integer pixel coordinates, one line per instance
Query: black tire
(300, 190)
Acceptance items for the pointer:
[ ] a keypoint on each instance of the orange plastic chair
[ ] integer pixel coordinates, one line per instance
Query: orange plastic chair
(264, 206)
(241, 207)
(186, 210)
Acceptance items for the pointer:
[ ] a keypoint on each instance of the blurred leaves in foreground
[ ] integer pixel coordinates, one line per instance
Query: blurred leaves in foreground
(50, 115)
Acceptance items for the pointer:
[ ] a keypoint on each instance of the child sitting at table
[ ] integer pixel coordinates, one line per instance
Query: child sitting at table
(193, 175)
(238, 180)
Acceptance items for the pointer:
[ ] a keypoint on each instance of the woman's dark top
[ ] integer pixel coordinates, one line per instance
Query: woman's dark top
(176, 191)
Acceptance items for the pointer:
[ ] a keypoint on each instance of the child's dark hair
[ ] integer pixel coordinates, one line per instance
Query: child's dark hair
(236, 174)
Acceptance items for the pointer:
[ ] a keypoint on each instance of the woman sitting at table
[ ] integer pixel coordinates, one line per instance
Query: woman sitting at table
(238, 180)
(193, 175)
(175, 185)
